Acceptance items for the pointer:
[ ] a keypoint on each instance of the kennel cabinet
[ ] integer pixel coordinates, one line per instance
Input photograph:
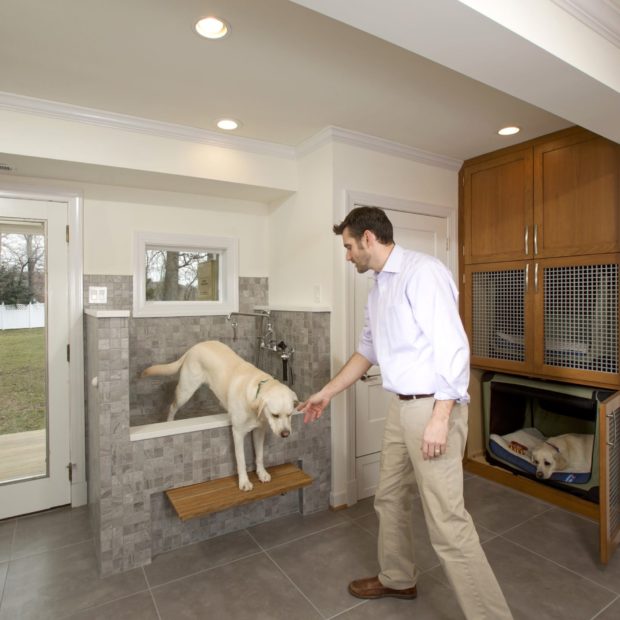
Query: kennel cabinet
(539, 234)
(555, 318)
(511, 403)
(539, 240)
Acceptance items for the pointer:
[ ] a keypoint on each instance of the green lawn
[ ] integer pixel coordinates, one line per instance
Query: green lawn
(22, 380)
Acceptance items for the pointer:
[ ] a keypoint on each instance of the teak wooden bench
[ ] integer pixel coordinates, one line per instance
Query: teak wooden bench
(198, 500)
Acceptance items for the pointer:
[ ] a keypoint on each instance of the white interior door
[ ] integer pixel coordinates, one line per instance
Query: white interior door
(424, 233)
(34, 373)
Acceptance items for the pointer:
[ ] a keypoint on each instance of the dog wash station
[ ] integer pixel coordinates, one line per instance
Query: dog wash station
(157, 486)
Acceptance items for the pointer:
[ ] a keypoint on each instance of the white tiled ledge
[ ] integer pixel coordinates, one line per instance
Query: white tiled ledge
(295, 308)
(178, 427)
(107, 314)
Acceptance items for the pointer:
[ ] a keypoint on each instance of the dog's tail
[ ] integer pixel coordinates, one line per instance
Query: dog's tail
(164, 369)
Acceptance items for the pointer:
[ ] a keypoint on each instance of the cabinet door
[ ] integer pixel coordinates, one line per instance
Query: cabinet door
(497, 201)
(576, 319)
(609, 503)
(497, 311)
(576, 196)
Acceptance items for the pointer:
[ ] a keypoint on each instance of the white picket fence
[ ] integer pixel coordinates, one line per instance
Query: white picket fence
(22, 316)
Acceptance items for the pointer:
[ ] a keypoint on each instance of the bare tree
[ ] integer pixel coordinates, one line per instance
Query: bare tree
(171, 276)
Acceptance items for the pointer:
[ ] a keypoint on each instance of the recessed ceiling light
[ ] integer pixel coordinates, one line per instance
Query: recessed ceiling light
(509, 131)
(212, 27)
(229, 124)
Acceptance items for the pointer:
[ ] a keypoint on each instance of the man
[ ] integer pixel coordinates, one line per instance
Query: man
(413, 331)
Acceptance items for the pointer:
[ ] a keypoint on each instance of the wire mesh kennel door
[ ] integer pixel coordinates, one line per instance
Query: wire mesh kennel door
(609, 524)
(580, 313)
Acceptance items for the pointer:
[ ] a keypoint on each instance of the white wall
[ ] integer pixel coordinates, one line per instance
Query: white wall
(113, 214)
(360, 170)
(300, 263)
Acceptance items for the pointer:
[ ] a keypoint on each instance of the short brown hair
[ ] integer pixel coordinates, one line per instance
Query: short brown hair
(361, 219)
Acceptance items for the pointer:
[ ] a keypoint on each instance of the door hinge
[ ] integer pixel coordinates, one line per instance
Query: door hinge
(68, 352)
(447, 244)
(70, 468)
(67, 233)
(463, 278)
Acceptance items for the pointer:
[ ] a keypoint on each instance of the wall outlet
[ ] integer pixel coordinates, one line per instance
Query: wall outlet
(316, 291)
(97, 294)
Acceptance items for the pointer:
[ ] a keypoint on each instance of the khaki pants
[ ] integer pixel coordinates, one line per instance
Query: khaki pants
(451, 530)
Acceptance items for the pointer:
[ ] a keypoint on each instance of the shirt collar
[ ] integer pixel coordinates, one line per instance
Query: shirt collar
(394, 261)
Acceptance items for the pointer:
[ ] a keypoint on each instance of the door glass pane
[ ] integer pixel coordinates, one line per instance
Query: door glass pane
(23, 371)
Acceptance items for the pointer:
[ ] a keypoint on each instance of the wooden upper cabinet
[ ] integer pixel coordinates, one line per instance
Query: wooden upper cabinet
(497, 208)
(576, 196)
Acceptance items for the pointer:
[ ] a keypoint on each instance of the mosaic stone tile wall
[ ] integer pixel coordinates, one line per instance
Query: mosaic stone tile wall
(131, 516)
(161, 340)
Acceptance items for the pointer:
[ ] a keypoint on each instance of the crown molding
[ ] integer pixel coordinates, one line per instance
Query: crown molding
(354, 138)
(113, 120)
(160, 129)
(602, 16)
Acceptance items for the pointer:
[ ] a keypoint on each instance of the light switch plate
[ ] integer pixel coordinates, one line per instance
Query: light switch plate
(98, 294)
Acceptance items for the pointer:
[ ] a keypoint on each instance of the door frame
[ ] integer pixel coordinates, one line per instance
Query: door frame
(75, 273)
(354, 199)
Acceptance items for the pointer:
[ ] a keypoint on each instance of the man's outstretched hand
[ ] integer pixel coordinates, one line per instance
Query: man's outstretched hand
(313, 407)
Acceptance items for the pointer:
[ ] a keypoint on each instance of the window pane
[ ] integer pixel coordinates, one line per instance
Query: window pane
(174, 275)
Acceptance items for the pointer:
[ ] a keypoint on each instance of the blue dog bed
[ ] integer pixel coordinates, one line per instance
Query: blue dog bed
(515, 449)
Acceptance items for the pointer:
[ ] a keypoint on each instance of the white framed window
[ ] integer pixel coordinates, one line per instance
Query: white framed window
(184, 275)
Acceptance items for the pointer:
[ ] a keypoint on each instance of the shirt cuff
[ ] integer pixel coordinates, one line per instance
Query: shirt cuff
(368, 353)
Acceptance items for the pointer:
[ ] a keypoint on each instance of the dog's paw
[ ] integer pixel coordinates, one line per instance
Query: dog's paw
(245, 485)
(263, 475)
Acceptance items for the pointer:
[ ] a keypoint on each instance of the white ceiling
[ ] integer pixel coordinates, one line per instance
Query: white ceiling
(288, 72)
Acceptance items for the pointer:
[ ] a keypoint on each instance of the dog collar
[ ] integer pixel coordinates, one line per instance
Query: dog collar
(554, 447)
(260, 385)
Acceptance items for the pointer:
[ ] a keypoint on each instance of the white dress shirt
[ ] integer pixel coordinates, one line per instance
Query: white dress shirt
(413, 330)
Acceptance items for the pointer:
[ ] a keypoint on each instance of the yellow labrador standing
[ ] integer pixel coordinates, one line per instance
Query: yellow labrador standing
(251, 397)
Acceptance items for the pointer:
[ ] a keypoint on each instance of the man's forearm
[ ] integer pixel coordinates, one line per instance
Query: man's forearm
(442, 408)
(354, 369)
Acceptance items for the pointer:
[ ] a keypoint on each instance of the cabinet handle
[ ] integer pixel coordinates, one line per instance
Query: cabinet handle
(535, 239)
(527, 237)
(612, 420)
(527, 277)
(536, 278)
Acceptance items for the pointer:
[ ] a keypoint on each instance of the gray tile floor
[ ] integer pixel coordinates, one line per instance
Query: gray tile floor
(298, 567)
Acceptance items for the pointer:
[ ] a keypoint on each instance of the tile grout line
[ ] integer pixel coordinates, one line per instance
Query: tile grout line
(286, 542)
(286, 576)
(348, 609)
(520, 524)
(570, 570)
(206, 570)
(13, 536)
(148, 585)
(51, 549)
(597, 614)
(294, 584)
(8, 566)
(364, 529)
(71, 613)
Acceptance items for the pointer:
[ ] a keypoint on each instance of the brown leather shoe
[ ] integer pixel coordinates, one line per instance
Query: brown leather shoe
(371, 587)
